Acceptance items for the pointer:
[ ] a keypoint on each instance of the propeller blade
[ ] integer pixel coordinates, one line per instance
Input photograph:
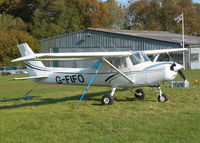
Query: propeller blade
(182, 75)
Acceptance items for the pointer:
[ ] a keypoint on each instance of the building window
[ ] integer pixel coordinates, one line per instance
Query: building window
(194, 57)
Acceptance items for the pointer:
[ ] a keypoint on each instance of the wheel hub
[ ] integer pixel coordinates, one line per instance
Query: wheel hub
(106, 100)
(162, 99)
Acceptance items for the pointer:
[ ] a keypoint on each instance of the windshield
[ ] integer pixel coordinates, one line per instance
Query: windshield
(139, 57)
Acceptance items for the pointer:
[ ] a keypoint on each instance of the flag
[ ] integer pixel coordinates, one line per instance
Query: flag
(179, 18)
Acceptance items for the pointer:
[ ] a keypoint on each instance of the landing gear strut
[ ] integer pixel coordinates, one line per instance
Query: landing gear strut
(161, 97)
(108, 99)
(139, 94)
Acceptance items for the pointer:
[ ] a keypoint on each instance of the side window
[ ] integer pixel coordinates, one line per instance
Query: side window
(123, 62)
(119, 62)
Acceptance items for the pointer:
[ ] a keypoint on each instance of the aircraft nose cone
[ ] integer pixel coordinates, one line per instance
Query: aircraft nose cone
(178, 67)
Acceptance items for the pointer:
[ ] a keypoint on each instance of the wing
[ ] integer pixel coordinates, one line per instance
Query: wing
(155, 52)
(89, 55)
(76, 55)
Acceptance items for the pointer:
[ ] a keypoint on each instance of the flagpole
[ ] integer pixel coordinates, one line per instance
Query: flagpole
(183, 36)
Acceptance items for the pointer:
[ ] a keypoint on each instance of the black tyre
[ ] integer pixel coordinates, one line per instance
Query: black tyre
(139, 94)
(162, 98)
(107, 100)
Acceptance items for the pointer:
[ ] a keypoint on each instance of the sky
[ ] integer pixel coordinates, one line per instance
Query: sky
(196, 1)
(126, 1)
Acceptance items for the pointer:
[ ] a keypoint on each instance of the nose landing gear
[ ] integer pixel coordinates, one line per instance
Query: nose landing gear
(161, 97)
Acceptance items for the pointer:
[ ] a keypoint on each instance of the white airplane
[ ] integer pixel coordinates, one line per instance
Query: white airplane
(115, 69)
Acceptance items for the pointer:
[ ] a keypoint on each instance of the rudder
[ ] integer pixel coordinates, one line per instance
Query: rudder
(34, 68)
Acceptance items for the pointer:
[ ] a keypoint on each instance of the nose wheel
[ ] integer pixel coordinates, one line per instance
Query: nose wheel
(162, 98)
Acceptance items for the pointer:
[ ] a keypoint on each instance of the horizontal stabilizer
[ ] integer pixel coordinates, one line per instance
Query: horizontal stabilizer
(31, 77)
(25, 58)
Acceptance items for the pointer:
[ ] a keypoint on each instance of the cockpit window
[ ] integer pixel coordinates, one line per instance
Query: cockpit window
(139, 57)
(136, 58)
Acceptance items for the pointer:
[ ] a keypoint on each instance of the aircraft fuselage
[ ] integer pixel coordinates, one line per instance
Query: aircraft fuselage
(144, 74)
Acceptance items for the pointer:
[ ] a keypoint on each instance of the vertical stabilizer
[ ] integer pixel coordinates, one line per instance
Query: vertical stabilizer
(25, 50)
(34, 68)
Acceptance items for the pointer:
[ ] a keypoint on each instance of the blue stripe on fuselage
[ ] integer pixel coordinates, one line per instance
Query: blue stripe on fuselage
(156, 65)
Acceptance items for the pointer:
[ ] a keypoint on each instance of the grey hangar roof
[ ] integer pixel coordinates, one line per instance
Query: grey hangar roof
(151, 35)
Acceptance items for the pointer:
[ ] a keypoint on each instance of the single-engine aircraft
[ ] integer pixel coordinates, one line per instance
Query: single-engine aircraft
(129, 69)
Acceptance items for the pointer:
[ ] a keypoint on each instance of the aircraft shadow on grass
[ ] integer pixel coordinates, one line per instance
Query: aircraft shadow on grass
(46, 101)
(16, 99)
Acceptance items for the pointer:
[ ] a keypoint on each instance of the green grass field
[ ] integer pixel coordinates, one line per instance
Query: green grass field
(51, 116)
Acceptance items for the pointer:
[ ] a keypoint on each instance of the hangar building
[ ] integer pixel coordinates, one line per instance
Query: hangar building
(91, 40)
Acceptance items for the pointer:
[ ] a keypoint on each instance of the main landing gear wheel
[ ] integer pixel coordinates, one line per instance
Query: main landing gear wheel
(107, 100)
(162, 98)
(139, 94)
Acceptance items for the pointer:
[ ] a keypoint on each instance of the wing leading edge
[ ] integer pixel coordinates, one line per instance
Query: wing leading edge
(162, 51)
(77, 55)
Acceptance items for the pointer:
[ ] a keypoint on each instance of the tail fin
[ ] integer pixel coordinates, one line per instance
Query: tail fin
(34, 68)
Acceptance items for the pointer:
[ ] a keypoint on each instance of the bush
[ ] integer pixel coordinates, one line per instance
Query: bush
(8, 42)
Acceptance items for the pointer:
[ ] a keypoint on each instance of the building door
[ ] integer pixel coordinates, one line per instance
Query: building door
(195, 58)
(55, 63)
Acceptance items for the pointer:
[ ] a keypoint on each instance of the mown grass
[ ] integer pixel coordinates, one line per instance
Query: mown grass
(51, 115)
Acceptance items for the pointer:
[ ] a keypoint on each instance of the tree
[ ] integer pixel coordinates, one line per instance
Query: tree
(57, 17)
(8, 22)
(8, 7)
(116, 14)
(197, 8)
(145, 14)
(169, 11)
(92, 13)
(20, 8)
(159, 15)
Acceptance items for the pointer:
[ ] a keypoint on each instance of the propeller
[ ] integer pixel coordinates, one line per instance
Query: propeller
(176, 66)
(182, 75)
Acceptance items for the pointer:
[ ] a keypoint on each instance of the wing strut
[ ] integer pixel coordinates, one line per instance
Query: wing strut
(156, 58)
(92, 79)
(120, 72)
